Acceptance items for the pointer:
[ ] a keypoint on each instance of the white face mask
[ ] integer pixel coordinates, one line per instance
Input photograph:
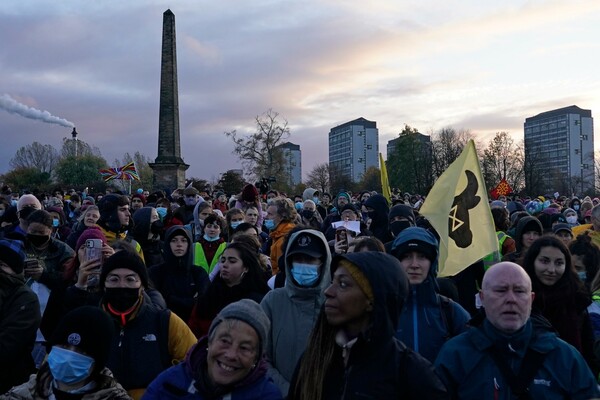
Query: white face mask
(572, 219)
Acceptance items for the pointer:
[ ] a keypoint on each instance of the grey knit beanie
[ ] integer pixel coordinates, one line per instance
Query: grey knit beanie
(248, 311)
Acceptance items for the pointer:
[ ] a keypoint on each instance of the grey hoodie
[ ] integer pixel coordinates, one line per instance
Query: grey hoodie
(293, 311)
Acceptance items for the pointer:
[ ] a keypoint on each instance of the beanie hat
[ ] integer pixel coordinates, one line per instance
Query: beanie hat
(88, 328)
(402, 210)
(351, 207)
(568, 211)
(430, 251)
(108, 207)
(249, 193)
(12, 252)
(91, 232)
(498, 203)
(360, 278)
(128, 260)
(139, 196)
(248, 311)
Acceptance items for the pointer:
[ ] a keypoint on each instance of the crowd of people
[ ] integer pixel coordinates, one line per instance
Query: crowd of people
(210, 295)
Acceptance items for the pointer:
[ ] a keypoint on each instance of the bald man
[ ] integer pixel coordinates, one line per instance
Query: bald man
(27, 204)
(511, 354)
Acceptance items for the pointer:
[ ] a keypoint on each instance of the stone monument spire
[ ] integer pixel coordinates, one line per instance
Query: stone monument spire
(169, 168)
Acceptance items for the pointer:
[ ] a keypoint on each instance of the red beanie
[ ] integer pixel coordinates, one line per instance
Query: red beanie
(249, 193)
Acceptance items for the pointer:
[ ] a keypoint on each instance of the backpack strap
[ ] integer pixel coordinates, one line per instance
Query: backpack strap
(447, 315)
(519, 383)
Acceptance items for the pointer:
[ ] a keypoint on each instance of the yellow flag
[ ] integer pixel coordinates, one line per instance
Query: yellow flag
(385, 184)
(457, 206)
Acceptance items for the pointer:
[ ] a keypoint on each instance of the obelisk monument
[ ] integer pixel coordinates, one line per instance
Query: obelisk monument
(169, 168)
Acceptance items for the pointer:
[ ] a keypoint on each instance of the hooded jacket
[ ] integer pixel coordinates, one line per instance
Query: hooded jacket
(469, 372)
(152, 248)
(423, 325)
(309, 194)
(185, 381)
(293, 311)
(525, 222)
(176, 278)
(380, 366)
(379, 217)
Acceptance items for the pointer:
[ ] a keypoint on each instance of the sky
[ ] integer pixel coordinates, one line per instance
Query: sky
(482, 66)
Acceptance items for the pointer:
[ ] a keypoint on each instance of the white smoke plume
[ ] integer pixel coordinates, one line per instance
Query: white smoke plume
(14, 107)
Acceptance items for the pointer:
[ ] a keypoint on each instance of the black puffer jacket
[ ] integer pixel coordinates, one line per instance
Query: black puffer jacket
(380, 366)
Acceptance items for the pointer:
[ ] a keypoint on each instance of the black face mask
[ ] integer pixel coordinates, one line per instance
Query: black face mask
(121, 299)
(37, 240)
(398, 226)
(156, 227)
(308, 214)
(26, 212)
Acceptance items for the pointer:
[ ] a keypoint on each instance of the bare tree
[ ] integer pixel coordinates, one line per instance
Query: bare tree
(42, 157)
(446, 146)
(503, 159)
(142, 166)
(318, 178)
(71, 147)
(259, 152)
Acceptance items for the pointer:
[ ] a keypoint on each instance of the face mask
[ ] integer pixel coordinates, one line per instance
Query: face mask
(572, 219)
(305, 274)
(269, 224)
(316, 200)
(121, 299)
(308, 214)
(37, 240)
(582, 275)
(14, 203)
(26, 212)
(68, 366)
(235, 224)
(156, 227)
(210, 239)
(298, 205)
(162, 212)
(398, 226)
(55, 222)
(270, 201)
(576, 207)
(190, 201)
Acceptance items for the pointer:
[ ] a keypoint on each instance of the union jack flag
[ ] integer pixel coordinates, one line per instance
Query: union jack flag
(127, 173)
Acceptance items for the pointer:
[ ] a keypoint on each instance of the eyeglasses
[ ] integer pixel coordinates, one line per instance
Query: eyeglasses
(130, 281)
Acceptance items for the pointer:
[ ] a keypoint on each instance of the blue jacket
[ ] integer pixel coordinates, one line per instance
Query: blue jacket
(183, 381)
(423, 326)
(469, 372)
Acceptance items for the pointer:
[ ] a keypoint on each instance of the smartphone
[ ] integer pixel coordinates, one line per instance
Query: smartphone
(93, 249)
(29, 263)
(341, 236)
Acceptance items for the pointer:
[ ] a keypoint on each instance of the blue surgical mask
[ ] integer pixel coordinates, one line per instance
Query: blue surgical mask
(162, 212)
(298, 205)
(576, 207)
(14, 203)
(55, 222)
(305, 274)
(269, 224)
(210, 239)
(572, 219)
(582, 275)
(235, 224)
(68, 366)
(316, 200)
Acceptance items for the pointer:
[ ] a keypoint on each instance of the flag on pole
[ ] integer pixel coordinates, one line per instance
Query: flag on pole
(502, 189)
(127, 172)
(385, 184)
(457, 207)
